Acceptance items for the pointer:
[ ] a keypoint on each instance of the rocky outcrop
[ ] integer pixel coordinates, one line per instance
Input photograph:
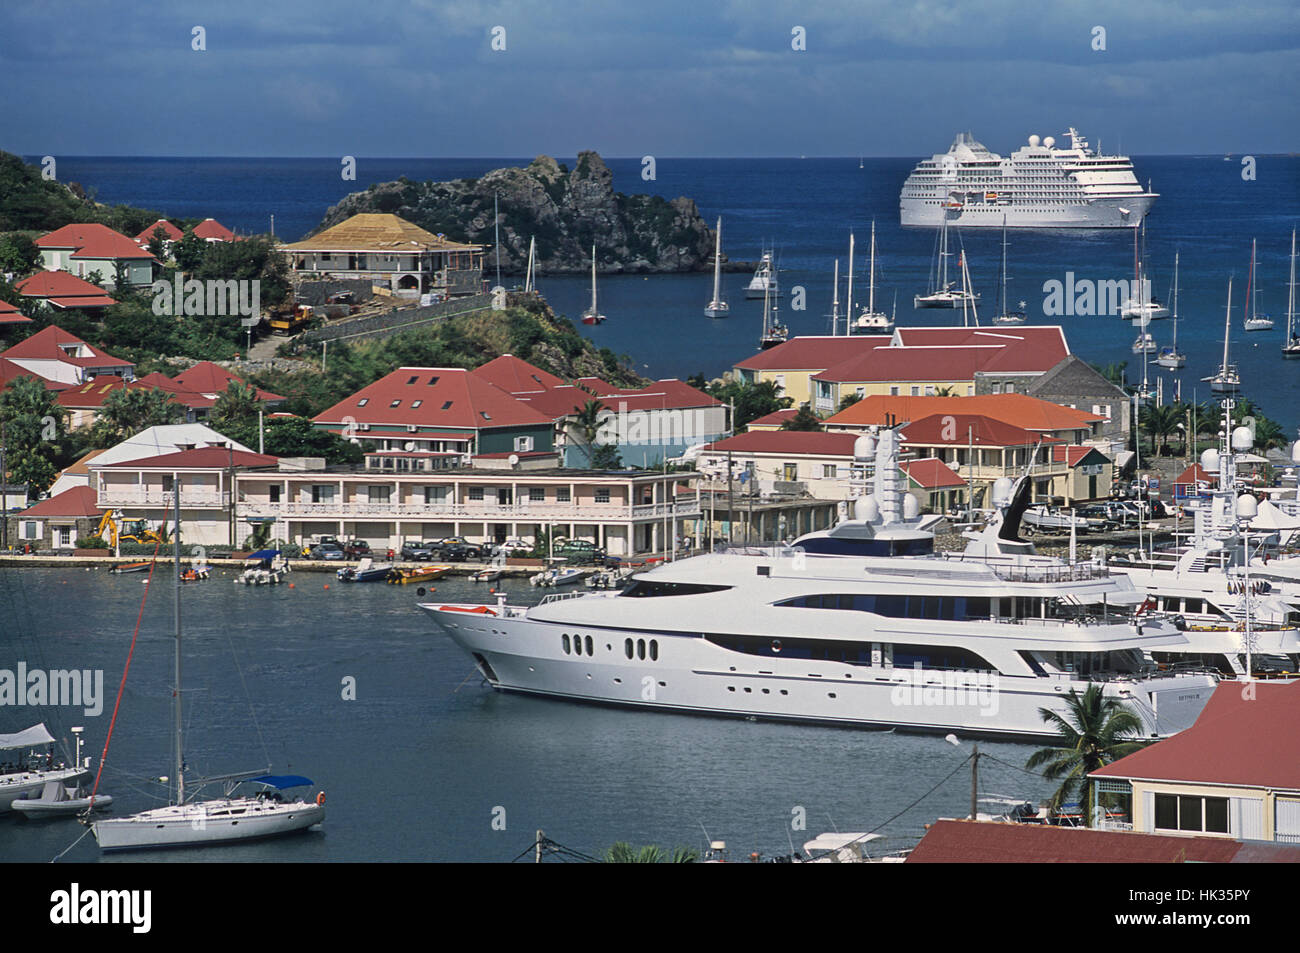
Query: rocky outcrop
(566, 211)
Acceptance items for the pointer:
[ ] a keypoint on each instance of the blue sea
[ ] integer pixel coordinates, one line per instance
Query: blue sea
(805, 210)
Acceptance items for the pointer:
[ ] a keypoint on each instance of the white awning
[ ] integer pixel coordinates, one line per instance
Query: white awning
(32, 737)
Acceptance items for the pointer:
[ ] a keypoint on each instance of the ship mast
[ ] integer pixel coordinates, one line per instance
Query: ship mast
(835, 303)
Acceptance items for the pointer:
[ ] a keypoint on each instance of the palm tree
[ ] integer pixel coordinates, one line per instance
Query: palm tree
(587, 422)
(1160, 421)
(624, 853)
(1094, 731)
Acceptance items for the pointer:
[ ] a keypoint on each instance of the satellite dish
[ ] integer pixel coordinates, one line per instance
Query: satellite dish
(1242, 439)
(514, 460)
(408, 446)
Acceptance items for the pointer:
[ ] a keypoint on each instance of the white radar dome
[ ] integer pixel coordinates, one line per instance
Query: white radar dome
(864, 448)
(1049, 142)
(1247, 506)
(1001, 490)
(1210, 461)
(1033, 140)
(1241, 439)
(911, 508)
(866, 509)
(1295, 452)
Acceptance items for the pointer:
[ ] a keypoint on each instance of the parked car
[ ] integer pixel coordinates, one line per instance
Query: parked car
(580, 551)
(415, 550)
(1098, 516)
(516, 547)
(328, 551)
(356, 548)
(458, 544)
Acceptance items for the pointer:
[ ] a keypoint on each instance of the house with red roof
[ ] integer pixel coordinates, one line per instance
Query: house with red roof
(1234, 775)
(792, 364)
(1194, 481)
(1091, 471)
(61, 290)
(440, 410)
(649, 424)
(773, 421)
(57, 523)
(86, 249)
(210, 230)
(170, 235)
(935, 485)
(142, 488)
(63, 360)
(212, 380)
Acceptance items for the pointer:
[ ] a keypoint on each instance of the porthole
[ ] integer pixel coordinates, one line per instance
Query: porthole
(731, 688)
(654, 650)
(830, 694)
(776, 646)
(784, 692)
(564, 640)
(640, 649)
(589, 646)
(627, 647)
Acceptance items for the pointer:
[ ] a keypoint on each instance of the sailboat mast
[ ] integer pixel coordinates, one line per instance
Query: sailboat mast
(176, 691)
(943, 255)
(1227, 319)
(848, 308)
(1004, 265)
(1290, 297)
(871, 299)
(1174, 303)
(835, 302)
(717, 262)
(1249, 306)
(593, 279)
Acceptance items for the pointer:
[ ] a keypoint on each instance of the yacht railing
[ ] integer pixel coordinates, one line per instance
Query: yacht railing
(1018, 572)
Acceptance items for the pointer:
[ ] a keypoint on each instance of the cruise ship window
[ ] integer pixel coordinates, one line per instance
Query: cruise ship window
(588, 646)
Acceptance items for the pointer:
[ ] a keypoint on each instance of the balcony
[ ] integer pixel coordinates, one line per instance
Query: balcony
(128, 496)
(523, 512)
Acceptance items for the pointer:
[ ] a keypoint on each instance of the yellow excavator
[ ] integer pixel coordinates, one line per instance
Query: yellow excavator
(121, 529)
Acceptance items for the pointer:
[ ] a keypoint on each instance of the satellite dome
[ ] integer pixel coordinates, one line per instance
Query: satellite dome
(1001, 490)
(911, 508)
(867, 509)
(1033, 140)
(1242, 439)
(864, 448)
(1247, 506)
(1295, 452)
(1210, 460)
(1049, 142)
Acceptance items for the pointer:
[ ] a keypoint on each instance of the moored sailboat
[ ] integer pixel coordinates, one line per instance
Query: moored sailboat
(871, 321)
(1227, 381)
(1171, 357)
(941, 293)
(717, 307)
(592, 315)
(1008, 317)
(1254, 321)
(1291, 349)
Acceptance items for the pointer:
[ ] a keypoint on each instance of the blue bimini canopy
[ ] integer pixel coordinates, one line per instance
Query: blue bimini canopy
(282, 781)
(264, 554)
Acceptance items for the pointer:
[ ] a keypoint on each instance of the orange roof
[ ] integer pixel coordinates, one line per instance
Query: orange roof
(210, 228)
(92, 241)
(11, 315)
(788, 442)
(931, 474)
(433, 397)
(51, 343)
(64, 289)
(1195, 474)
(516, 376)
(1019, 410)
(812, 353)
(206, 378)
(960, 429)
(1074, 455)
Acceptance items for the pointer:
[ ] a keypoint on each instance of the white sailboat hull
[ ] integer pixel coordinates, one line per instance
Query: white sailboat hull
(32, 783)
(207, 822)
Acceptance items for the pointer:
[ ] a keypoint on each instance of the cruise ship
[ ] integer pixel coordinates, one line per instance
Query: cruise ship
(861, 624)
(1040, 185)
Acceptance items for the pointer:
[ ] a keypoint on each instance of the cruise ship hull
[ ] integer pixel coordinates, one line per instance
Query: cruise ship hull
(1126, 212)
(693, 675)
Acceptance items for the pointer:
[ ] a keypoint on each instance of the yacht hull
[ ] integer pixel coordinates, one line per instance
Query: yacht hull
(690, 674)
(204, 823)
(32, 783)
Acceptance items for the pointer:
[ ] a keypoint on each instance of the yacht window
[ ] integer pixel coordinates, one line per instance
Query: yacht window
(654, 650)
(627, 647)
(643, 589)
(564, 640)
(589, 650)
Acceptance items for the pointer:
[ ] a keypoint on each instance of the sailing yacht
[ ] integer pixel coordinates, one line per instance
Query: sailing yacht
(717, 308)
(869, 320)
(774, 332)
(592, 315)
(1141, 306)
(941, 294)
(1291, 348)
(1227, 381)
(1254, 321)
(1008, 317)
(969, 312)
(1171, 357)
(860, 624)
(764, 282)
(530, 278)
(1145, 343)
(223, 819)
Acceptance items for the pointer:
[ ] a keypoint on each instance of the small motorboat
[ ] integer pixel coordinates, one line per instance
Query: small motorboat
(129, 567)
(270, 569)
(400, 577)
(60, 800)
(491, 574)
(196, 573)
(609, 578)
(558, 576)
(365, 571)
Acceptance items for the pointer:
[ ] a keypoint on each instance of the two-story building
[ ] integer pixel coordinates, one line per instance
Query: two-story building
(87, 249)
(1234, 774)
(625, 512)
(792, 364)
(63, 291)
(63, 360)
(390, 252)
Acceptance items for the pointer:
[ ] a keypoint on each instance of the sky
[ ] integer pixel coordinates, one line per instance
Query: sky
(663, 77)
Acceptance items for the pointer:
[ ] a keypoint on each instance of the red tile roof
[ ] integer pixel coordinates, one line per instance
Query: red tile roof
(446, 396)
(516, 376)
(11, 315)
(200, 458)
(961, 429)
(775, 419)
(963, 842)
(931, 474)
(77, 501)
(210, 228)
(812, 352)
(1196, 474)
(64, 289)
(212, 379)
(1247, 734)
(952, 354)
(1075, 455)
(791, 442)
(48, 343)
(92, 241)
(174, 234)
(94, 392)
(1019, 410)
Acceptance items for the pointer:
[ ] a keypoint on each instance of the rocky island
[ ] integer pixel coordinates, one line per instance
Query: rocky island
(566, 211)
